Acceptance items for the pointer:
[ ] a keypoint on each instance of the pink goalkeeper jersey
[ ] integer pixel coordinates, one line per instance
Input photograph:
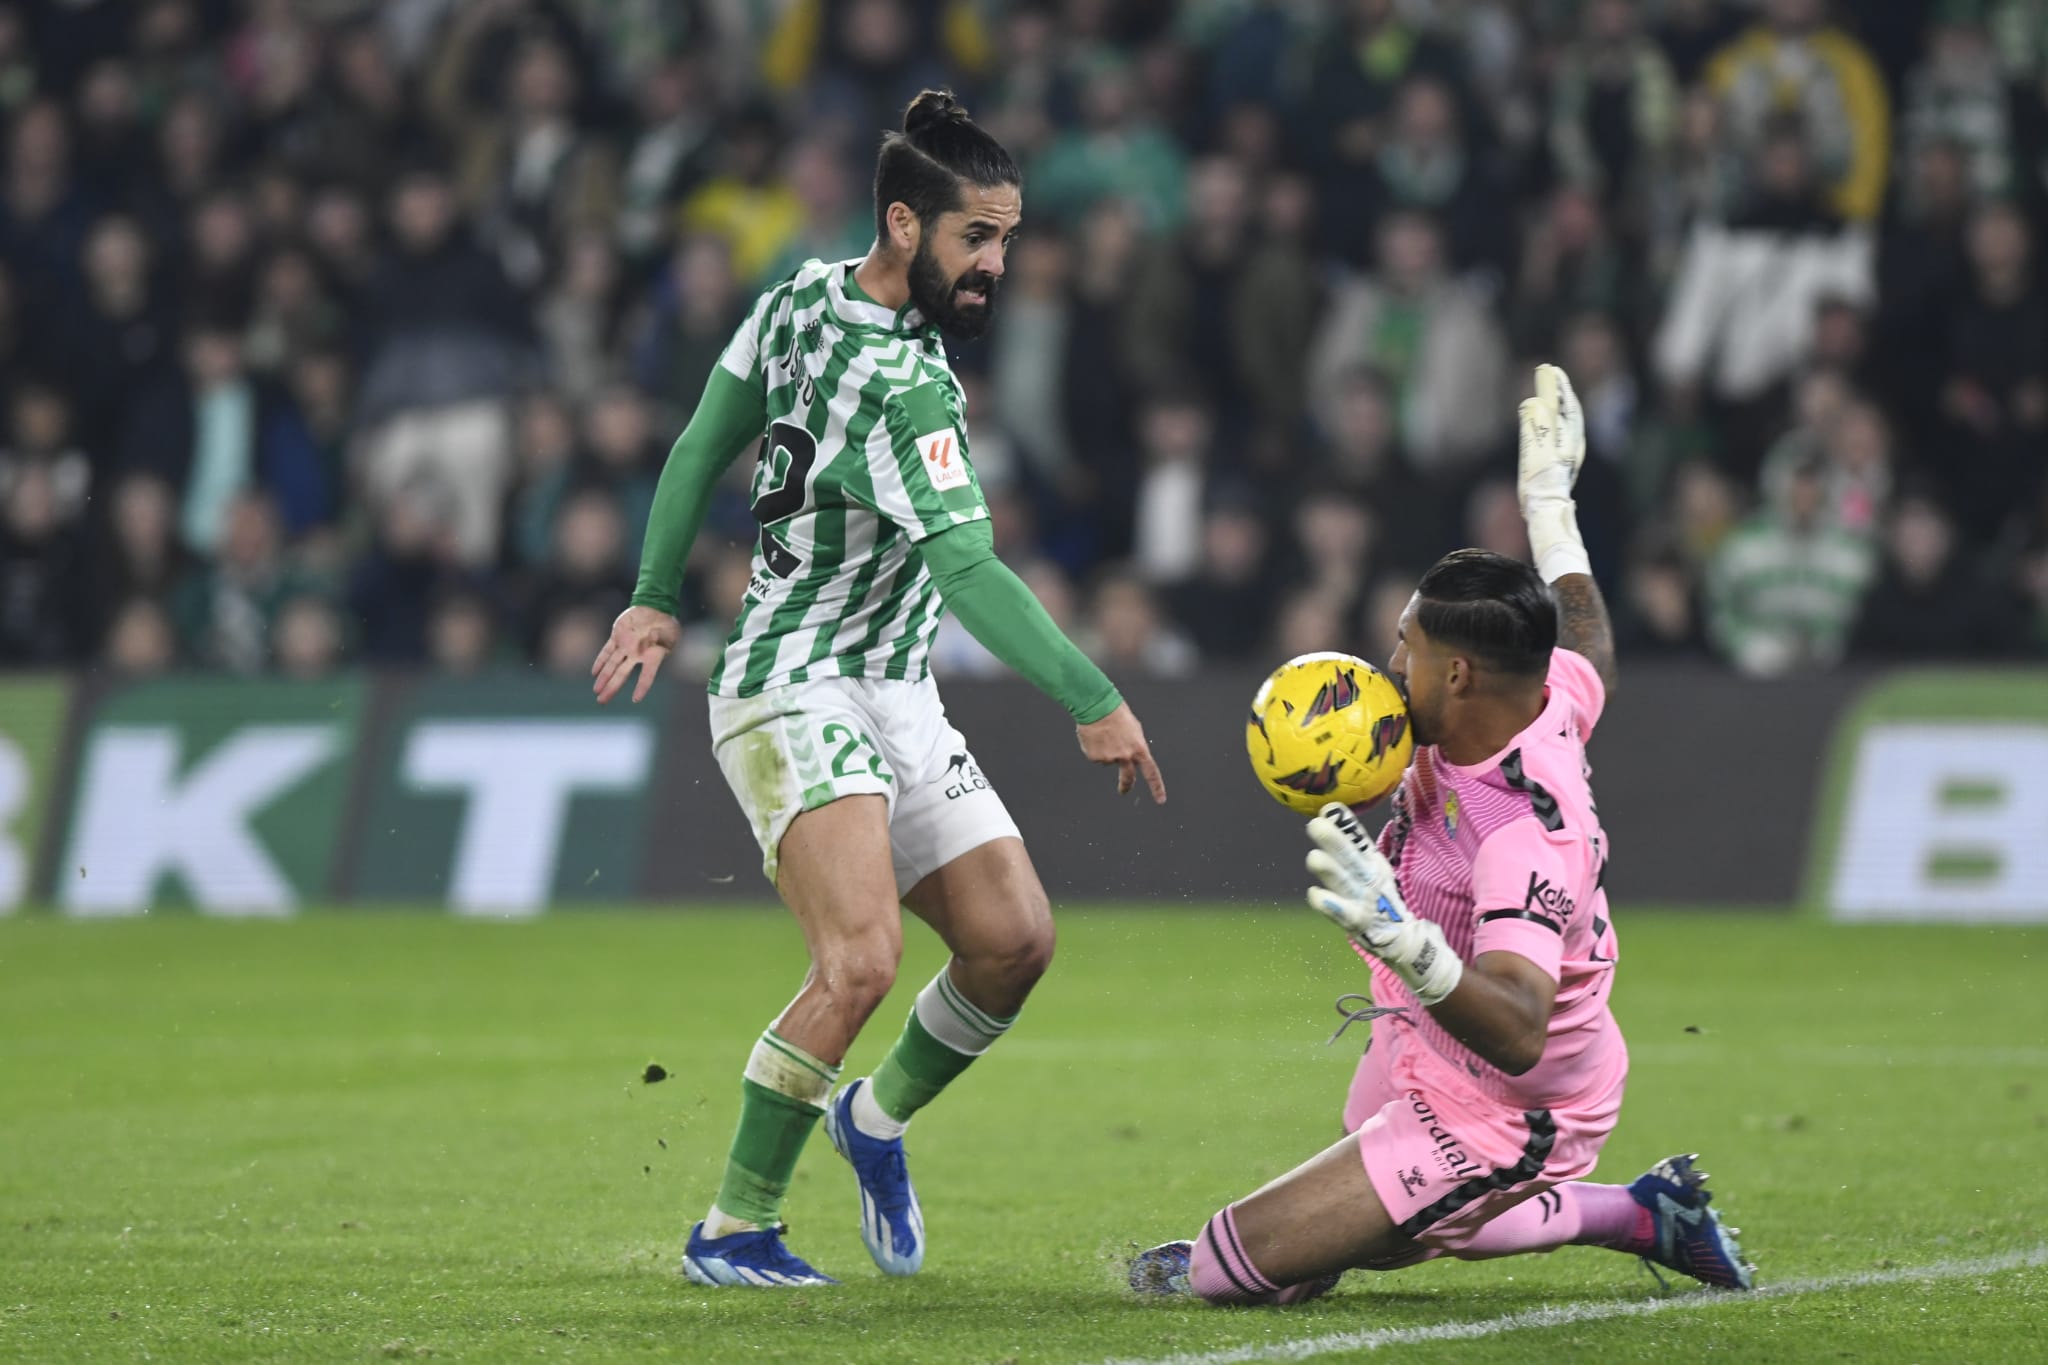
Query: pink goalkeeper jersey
(1508, 856)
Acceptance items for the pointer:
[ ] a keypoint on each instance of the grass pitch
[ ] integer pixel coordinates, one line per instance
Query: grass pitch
(362, 1136)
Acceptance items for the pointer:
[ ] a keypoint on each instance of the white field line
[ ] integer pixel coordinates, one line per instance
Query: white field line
(1571, 1314)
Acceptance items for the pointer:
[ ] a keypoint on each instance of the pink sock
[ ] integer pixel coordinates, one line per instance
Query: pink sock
(1609, 1216)
(1219, 1270)
(1564, 1215)
(1542, 1222)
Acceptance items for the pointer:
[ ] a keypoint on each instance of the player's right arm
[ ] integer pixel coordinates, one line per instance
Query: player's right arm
(1499, 1003)
(1551, 451)
(729, 417)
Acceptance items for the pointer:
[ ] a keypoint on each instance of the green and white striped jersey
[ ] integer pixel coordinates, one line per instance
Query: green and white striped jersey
(865, 455)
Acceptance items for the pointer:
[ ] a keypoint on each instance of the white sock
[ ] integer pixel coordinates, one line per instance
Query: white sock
(869, 1118)
(718, 1223)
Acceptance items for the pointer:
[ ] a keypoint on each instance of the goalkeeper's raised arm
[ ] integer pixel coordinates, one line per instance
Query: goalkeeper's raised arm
(1552, 448)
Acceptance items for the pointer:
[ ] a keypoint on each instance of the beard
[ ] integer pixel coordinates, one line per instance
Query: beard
(938, 297)
(1420, 729)
(1422, 721)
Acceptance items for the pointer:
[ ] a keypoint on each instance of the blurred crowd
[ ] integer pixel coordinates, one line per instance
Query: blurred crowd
(336, 333)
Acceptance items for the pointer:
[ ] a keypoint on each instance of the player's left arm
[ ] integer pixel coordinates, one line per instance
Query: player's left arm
(923, 482)
(1552, 449)
(1584, 627)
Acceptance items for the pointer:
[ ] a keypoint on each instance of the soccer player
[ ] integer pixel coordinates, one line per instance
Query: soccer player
(1495, 1070)
(824, 718)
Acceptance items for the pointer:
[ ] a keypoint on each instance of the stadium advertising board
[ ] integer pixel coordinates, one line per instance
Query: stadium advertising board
(31, 729)
(501, 797)
(504, 795)
(224, 795)
(1936, 802)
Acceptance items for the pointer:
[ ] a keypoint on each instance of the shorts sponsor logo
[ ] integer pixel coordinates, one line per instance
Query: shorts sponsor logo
(944, 464)
(1547, 898)
(1413, 1179)
(1450, 1152)
(962, 777)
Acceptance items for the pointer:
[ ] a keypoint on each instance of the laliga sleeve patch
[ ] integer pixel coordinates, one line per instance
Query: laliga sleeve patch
(943, 461)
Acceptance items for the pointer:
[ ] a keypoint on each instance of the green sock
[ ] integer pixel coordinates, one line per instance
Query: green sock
(782, 1098)
(941, 1039)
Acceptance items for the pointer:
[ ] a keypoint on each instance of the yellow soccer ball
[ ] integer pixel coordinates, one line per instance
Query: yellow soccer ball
(1328, 727)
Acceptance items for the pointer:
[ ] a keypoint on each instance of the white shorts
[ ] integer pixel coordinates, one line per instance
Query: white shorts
(795, 748)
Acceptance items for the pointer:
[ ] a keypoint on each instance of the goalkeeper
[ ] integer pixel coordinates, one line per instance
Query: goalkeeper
(1495, 1071)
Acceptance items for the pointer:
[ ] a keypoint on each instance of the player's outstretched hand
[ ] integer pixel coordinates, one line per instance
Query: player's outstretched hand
(1361, 894)
(1550, 452)
(1552, 445)
(1118, 738)
(641, 638)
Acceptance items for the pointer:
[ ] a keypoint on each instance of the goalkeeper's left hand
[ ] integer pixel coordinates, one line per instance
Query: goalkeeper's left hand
(1361, 895)
(1550, 452)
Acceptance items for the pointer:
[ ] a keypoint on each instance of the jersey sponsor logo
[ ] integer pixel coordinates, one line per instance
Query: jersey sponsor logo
(1450, 1151)
(944, 463)
(963, 776)
(1552, 899)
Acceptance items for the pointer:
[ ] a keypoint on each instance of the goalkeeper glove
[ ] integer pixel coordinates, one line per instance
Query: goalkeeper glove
(1361, 895)
(1551, 450)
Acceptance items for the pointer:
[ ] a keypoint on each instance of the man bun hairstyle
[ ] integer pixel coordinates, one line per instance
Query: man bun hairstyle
(1496, 609)
(939, 149)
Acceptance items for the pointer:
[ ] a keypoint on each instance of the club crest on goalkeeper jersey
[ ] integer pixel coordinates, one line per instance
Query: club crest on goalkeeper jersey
(865, 455)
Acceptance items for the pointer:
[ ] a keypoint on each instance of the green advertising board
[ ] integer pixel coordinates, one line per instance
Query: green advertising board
(502, 796)
(31, 728)
(1935, 802)
(223, 795)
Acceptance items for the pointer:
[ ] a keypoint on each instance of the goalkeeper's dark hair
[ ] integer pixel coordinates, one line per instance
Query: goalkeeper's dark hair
(939, 149)
(1496, 609)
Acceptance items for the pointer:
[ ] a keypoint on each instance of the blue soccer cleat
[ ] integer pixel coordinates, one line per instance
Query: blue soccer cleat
(1691, 1238)
(747, 1260)
(1162, 1269)
(891, 1223)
